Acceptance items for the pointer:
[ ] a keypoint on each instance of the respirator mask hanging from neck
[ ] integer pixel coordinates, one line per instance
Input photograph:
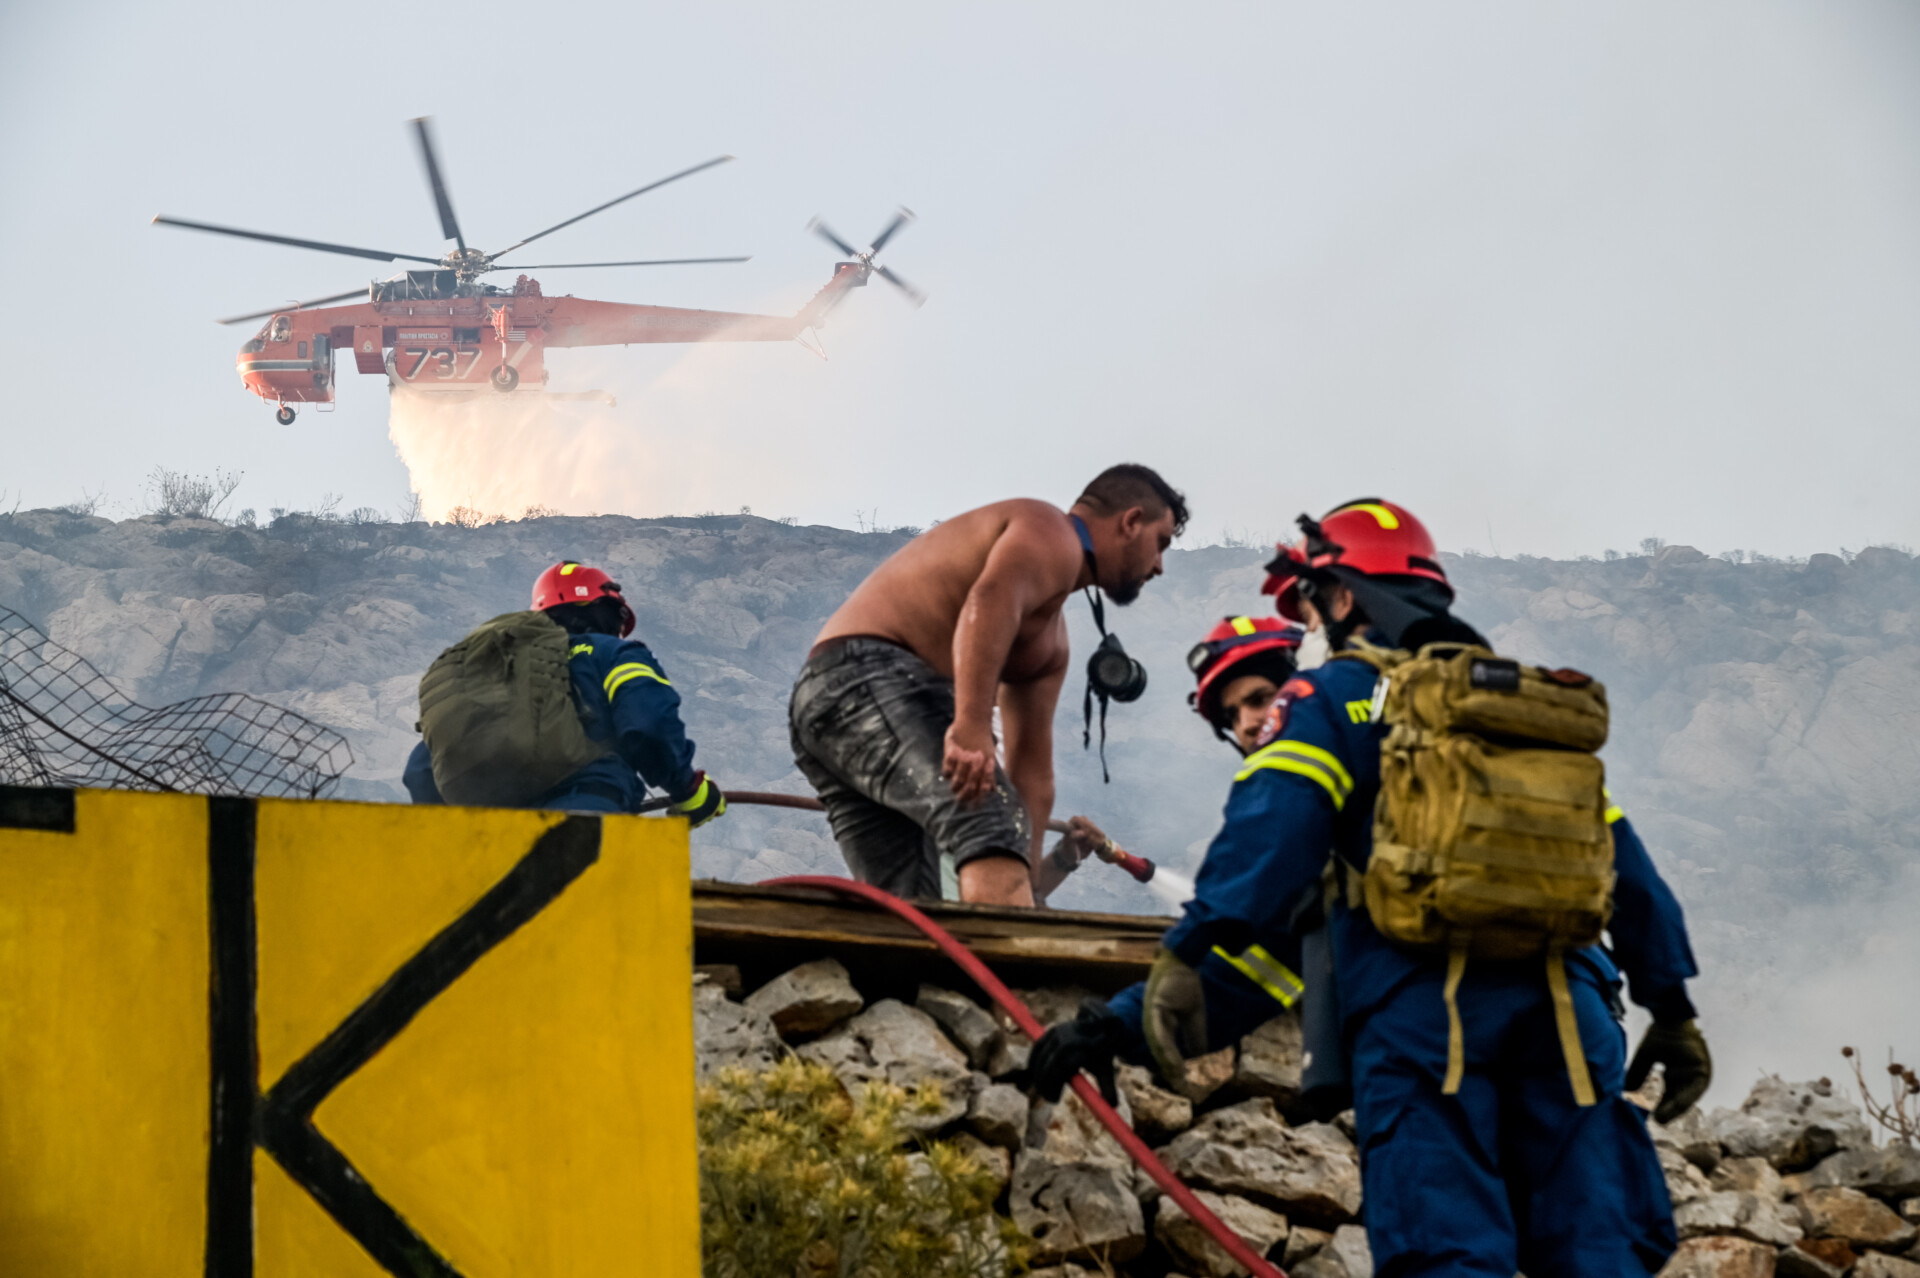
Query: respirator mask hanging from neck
(1112, 675)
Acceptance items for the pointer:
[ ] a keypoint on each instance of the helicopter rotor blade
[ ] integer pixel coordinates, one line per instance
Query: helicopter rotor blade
(297, 306)
(378, 255)
(449, 225)
(915, 295)
(664, 261)
(826, 233)
(900, 219)
(651, 186)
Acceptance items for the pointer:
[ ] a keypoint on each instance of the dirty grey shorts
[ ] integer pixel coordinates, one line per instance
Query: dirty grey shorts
(869, 722)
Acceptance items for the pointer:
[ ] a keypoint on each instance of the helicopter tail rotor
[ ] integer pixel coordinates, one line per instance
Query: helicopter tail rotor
(865, 258)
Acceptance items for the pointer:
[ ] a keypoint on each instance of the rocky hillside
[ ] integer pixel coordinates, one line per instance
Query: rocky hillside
(1765, 713)
(1791, 1182)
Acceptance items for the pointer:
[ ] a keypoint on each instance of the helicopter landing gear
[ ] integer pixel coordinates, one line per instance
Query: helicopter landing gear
(505, 377)
(284, 416)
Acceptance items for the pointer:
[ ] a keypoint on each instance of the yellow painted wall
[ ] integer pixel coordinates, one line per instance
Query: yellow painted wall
(103, 1040)
(535, 1118)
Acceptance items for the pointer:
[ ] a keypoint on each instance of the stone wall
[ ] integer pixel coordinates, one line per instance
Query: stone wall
(1790, 1183)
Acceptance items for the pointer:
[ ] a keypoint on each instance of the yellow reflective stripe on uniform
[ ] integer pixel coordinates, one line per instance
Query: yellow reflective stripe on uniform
(1325, 758)
(1614, 811)
(577, 649)
(1309, 768)
(1266, 971)
(1243, 625)
(631, 670)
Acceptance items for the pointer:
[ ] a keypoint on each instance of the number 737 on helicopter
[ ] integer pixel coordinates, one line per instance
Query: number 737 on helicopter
(444, 330)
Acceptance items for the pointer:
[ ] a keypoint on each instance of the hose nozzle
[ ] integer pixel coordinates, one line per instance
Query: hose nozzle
(1138, 866)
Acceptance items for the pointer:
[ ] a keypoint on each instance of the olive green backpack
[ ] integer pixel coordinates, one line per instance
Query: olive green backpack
(498, 714)
(1490, 835)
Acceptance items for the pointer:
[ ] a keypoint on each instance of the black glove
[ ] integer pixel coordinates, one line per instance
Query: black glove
(1089, 1041)
(1688, 1067)
(1174, 1017)
(703, 803)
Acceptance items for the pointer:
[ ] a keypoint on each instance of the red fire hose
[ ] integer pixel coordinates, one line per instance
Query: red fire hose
(1138, 866)
(983, 976)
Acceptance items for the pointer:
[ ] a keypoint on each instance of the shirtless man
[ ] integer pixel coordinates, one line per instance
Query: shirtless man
(892, 717)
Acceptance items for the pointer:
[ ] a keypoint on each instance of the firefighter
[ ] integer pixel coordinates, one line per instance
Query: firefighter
(627, 706)
(1239, 668)
(1480, 1152)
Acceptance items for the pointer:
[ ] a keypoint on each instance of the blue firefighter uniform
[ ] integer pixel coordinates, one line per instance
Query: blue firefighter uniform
(1509, 1173)
(625, 700)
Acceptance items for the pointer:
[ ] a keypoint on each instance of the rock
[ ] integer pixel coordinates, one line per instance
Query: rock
(996, 1160)
(1196, 1249)
(1750, 1176)
(724, 975)
(1051, 1004)
(1345, 1255)
(1069, 1133)
(1064, 1271)
(1734, 1212)
(1302, 1243)
(1158, 1114)
(965, 1022)
(1720, 1258)
(893, 1043)
(1791, 1125)
(1830, 1252)
(1850, 1214)
(727, 1034)
(1208, 1074)
(1685, 1183)
(1310, 1172)
(1010, 1054)
(998, 1115)
(1889, 1171)
(1270, 1061)
(1910, 1210)
(1877, 1265)
(1794, 1262)
(1691, 1136)
(1076, 1211)
(810, 998)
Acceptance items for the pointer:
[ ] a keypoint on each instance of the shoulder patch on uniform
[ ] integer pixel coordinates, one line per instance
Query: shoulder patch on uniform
(1276, 721)
(1360, 711)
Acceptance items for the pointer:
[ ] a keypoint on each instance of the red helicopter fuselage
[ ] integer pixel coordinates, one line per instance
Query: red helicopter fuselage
(425, 339)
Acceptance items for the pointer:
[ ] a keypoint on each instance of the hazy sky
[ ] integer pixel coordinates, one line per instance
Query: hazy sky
(1559, 276)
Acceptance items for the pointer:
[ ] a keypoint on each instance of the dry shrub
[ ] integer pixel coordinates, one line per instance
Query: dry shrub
(799, 1178)
(1899, 1114)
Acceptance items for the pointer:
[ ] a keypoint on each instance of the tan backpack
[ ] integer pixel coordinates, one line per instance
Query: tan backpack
(1490, 835)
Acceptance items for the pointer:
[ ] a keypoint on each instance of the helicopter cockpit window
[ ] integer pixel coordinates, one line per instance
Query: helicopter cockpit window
(281, 328)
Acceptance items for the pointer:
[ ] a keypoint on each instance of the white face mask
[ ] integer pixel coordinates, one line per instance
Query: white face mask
(1314, 650)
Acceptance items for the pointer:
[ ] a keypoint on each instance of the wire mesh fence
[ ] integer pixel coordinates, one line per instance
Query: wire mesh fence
(63, 723)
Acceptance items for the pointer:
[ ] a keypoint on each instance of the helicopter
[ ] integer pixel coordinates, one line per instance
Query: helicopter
(443, 330)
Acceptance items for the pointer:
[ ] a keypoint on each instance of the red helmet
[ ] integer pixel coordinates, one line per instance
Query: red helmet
(571, 583)
(1366, 538)
(1228, 647)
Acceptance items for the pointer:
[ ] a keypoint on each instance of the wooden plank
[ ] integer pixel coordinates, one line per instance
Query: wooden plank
(737, 922)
